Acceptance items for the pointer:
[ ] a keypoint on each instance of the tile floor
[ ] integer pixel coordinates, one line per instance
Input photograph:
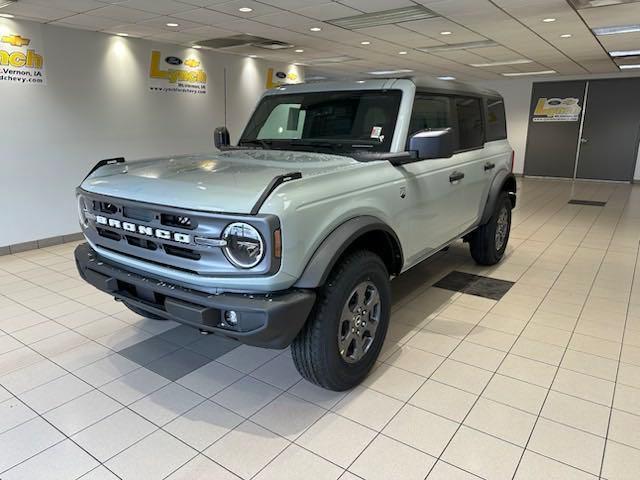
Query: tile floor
(543, 383)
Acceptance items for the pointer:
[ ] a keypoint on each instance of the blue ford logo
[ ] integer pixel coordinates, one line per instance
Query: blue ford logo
(281, 75)
(173, 61)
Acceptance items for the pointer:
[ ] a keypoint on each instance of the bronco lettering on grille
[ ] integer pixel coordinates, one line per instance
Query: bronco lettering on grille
(143, 230)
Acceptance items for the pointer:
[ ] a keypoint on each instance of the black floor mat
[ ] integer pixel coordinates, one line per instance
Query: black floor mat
(475, 285)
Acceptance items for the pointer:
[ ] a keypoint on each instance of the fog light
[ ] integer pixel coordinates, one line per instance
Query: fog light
(231, 318)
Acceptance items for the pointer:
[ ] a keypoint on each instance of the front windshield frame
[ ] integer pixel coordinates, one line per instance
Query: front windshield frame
(388, 101)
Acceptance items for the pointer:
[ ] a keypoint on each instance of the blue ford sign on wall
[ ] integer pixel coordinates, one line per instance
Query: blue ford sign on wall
(173, 60)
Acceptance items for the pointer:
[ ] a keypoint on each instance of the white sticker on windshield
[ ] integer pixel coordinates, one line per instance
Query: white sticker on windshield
(376, 132)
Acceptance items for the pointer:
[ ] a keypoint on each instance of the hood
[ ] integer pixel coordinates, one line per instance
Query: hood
(231, 181)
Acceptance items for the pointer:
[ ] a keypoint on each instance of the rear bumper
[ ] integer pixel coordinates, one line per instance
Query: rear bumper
(270, 321)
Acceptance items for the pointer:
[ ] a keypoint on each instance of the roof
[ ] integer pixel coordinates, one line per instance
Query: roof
(436, 86)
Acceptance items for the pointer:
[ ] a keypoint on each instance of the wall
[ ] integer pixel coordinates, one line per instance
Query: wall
(97, 104)
(517, 96)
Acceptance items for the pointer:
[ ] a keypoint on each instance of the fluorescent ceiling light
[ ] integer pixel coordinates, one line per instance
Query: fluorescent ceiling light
(328, 60)
(624, 53)
(390, 72)
(548, 20)
(6, 15)
(616, 30)
(566, 35)
(365, 43)
(299, 50)
(386, 17)
(446, 33)
(403, 52)
(197, 46)
(520, 61)
(525, 74)
(171, 24)
(446, 77)
(315, 29)
(628, 67)
(459, 46)
(122, 34)
(580, 4)
(245, 9)
(253, 56)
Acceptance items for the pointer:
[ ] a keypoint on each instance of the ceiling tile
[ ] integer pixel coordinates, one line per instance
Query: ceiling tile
(205, 16)
(161, 7)
(395, 33)
(91, 21)
(123, 14)
(78, 6)
(377, 5)
(37, 11)
(432, 27)
(327, 11)
(232, 8)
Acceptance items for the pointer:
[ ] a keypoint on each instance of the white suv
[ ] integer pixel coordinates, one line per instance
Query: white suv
(291, 237)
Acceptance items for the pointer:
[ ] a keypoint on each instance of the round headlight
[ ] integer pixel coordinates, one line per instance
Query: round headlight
(245, 247)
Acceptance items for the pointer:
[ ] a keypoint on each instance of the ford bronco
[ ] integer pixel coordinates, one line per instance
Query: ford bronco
(291, 236)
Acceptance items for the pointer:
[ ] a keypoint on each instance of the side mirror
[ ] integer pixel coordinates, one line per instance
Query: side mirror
(433, 143)
(221, 138)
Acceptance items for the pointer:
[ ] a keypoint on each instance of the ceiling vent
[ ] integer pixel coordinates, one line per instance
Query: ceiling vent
(6, 3)
(330, 60)
(244, 40)
(386, 17)
(580, 4)
(459, 46)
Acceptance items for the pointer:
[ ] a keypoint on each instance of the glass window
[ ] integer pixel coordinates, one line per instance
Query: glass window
(429, 112)
(337, 121)
(470, 130)
(496, 120)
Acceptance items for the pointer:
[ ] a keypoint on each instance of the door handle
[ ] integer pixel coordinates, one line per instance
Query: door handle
(489, 166)
(455, 176)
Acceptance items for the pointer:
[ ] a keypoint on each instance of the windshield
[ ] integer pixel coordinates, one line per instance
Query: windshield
(340, 122)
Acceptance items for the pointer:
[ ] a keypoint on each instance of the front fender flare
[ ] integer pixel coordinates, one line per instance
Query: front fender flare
(337, 242)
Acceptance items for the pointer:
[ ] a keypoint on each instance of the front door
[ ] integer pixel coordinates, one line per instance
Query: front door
(609, 143)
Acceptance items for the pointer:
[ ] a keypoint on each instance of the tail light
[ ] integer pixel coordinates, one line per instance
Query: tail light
(513, 159)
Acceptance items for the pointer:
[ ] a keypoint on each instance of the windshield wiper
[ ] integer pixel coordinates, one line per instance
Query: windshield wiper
(266, 144)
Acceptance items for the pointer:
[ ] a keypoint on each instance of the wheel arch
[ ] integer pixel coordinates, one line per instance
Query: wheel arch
(503, 182)
(364, 232)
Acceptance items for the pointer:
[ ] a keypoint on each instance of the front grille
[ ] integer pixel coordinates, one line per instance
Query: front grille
(167, 235)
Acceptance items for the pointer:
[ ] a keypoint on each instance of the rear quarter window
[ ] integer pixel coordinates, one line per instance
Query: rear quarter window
(496, 120)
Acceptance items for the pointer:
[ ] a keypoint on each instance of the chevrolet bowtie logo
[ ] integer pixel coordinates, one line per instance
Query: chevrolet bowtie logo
(16, 40)
(192, 62)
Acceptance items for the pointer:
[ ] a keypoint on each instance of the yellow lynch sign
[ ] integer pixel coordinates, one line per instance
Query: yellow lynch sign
(173, 75)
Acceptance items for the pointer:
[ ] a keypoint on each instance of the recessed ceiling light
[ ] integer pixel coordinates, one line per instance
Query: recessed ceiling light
(299, 50)
(624, 53)
(245, 9)
(548, 20)
(6, 15)
(360, 81)
(520, 61)
(390, 72)
(616, 30)
(446, 77)
(446, 32)
(524, 74)
(365, 43)
(628, 67)
(566, 35)
(122, 34)
(402, 52)
(315, 29)
(253, 56)
(171, 24)
(197, 46)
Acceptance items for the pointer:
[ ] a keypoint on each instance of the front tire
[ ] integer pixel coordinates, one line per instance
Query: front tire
(345, 331)
(489, 242)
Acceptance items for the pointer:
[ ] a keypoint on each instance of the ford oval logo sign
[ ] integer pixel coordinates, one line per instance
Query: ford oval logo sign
(281, 75)
(173, 61)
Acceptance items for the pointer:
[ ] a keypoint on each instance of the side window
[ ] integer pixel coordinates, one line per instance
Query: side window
(429, 112)
(470, 129)
(496, 120)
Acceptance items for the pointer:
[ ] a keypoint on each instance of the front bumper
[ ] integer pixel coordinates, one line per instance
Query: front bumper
(270, 321)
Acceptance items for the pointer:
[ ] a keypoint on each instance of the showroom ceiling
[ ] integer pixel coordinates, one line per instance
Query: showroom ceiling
(466, 39)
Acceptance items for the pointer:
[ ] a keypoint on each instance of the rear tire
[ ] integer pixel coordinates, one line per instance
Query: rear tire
(489, 242)
(343, 336)
(143, 313)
